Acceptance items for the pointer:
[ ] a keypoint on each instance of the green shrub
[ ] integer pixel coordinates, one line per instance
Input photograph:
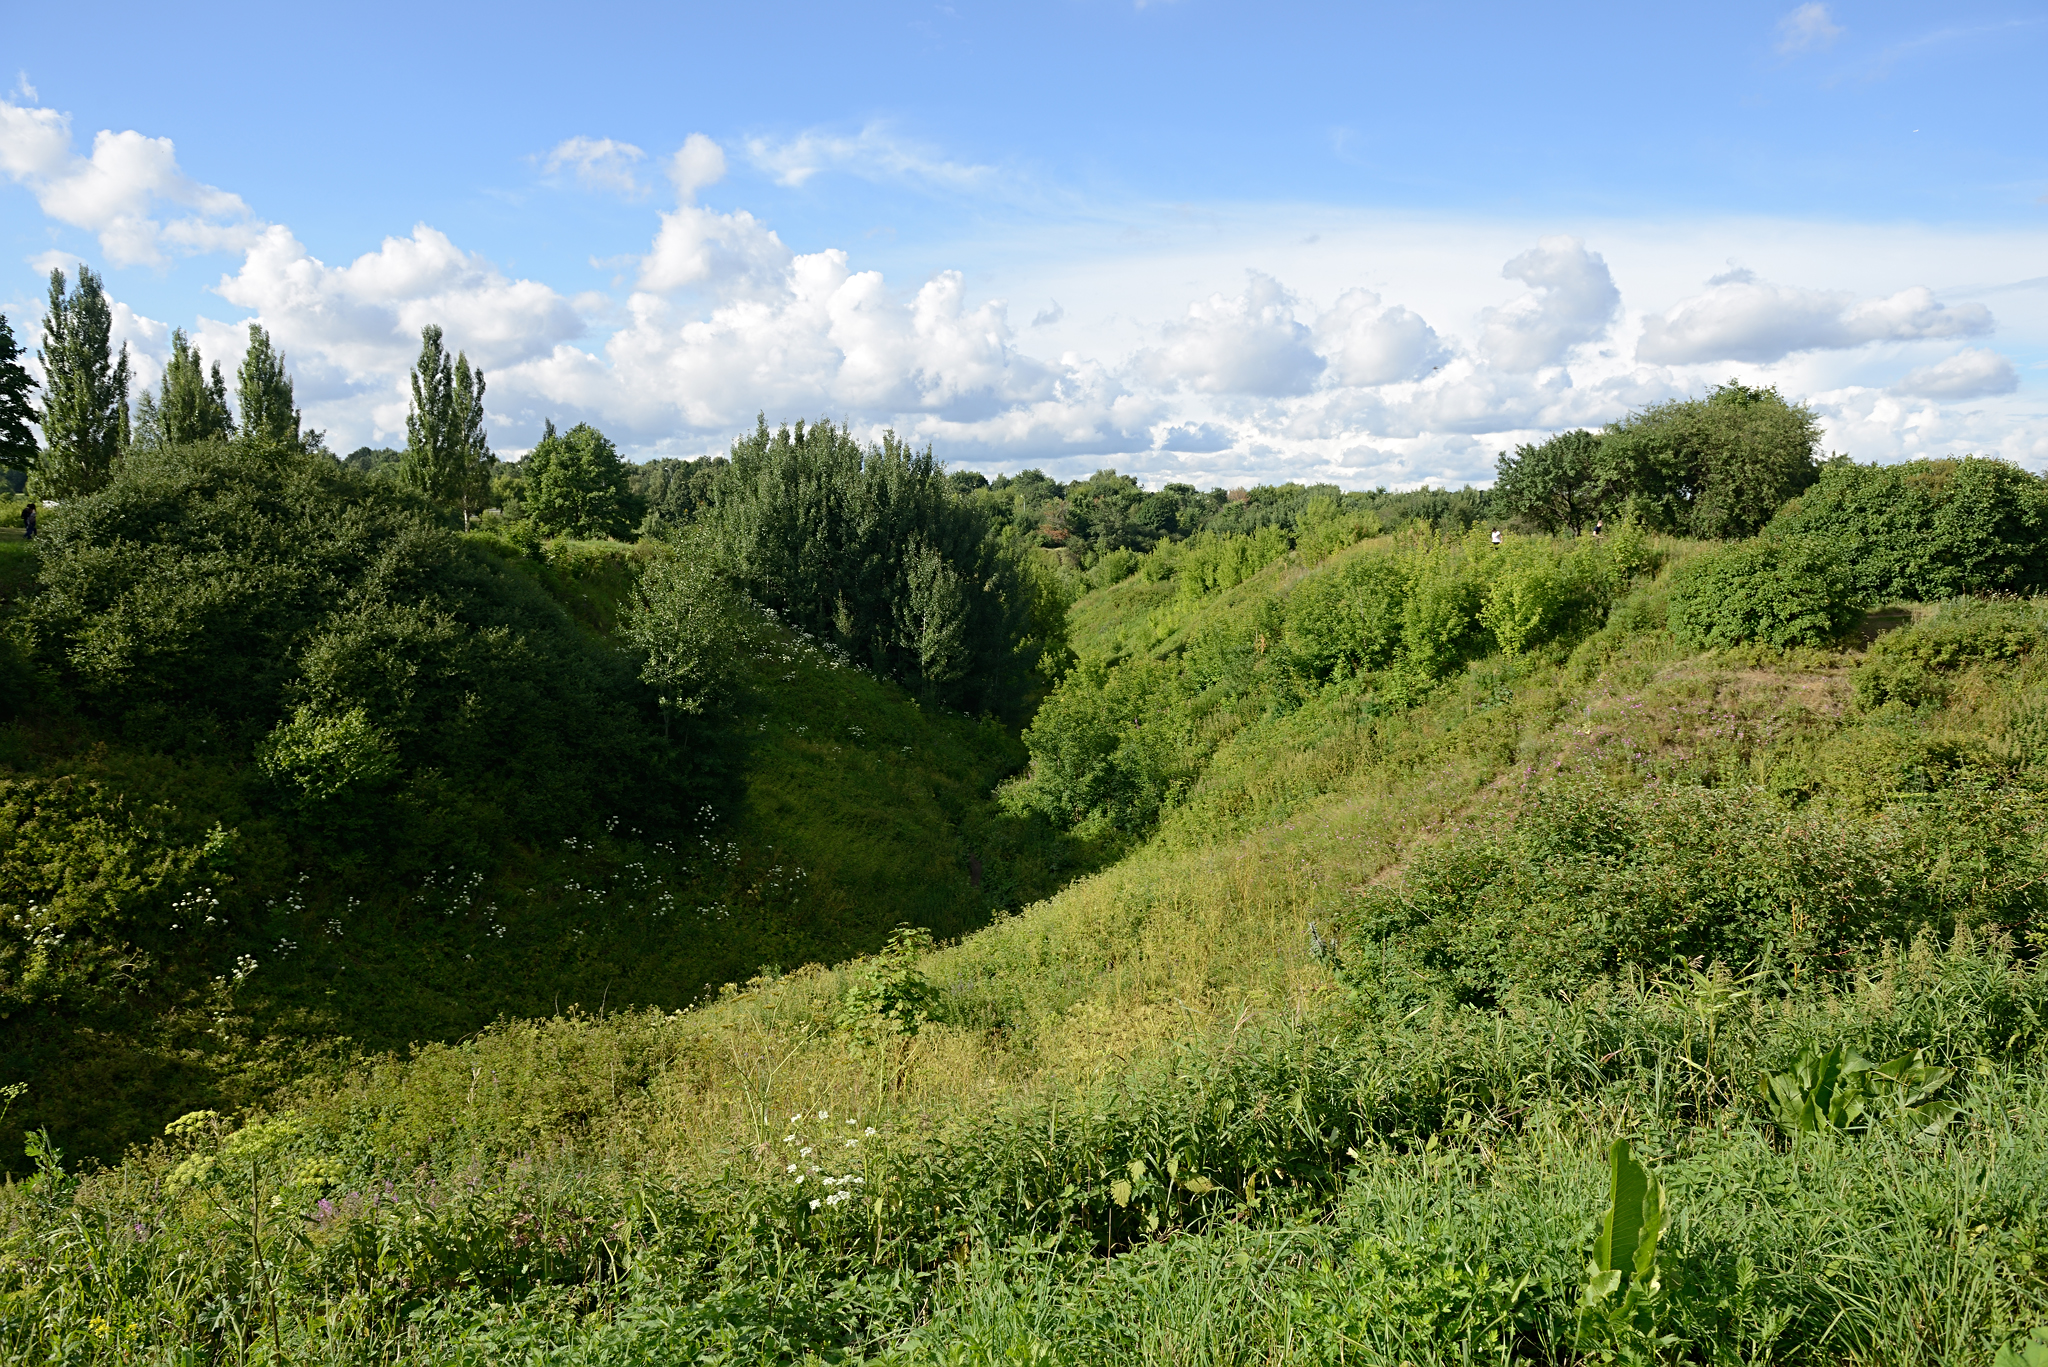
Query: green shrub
(325, 756)
(1588, 883)
(1777, 591)
(1913, 665)
(212, 594)
(1349, 620)
(1926, 530)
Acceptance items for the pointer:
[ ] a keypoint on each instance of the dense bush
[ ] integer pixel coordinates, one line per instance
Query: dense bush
(215, 596)
(1776, 591)
(1713, 468)
(872, 547)
(1588, 882)
(1914, 665)
(1929, 529)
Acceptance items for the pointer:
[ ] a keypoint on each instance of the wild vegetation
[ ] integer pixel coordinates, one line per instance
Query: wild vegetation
(1327, 935)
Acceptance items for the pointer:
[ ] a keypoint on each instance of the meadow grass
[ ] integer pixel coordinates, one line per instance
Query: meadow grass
(1152, 1117)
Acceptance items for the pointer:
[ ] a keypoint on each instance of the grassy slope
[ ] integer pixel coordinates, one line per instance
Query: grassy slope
(858, 811)
(1200, 939)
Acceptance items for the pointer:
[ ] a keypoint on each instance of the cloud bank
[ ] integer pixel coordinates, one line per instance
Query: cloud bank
(718, 319)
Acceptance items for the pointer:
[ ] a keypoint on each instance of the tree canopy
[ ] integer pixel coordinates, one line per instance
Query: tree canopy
(84, 415)
(871, 546)
(17, 405)
(448, 459)
(576, 485)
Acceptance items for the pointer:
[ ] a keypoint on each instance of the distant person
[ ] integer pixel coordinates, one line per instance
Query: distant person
(1599, 525)
(1496, 536)
(28, 520)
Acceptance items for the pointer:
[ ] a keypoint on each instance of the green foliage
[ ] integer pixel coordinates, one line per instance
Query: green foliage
(1713, 468)
(575, 485)
(17, 405)
(1621, 1302)
(90, 891)
(84, 415)
(888, 994)
(1929, 529)
(873, 549)
(322, 757)
(674, 492)
(211, 593)
(1776, 591)
(263, 391)
(192, 407)
(1556, 486)
(1917, 664)
(447, 458)
(1588, 883)
(1349, 621)
(1836, 1091)
(688, 626)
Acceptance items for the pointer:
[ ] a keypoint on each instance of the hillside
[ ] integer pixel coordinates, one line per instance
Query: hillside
(276, 948)
(1408, 930)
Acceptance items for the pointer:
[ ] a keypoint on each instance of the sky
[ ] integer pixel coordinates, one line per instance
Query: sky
(1369, 244)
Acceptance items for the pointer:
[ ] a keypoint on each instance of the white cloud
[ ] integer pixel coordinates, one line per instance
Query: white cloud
(1969, 374)
(1572, 300)
(117, 192)
(697, 163)
(1810, 28)
(873, 154)
(1237, 344)
(1366, 343)
(1420, 380)
(597, 164)
(1742, 318)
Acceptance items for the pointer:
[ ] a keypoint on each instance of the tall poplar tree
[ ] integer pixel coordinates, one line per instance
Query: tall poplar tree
(17, 411)
(447, 453)
(85, 412)
(192, 406)
(263, 389)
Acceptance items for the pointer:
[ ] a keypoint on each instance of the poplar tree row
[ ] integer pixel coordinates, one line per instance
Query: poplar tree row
(86, 426)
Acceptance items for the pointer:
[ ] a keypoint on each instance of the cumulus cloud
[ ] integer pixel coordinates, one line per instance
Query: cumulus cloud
(119, 191)
(1572, 300)
(597, 164)
(1742, 318)
(1248, 343)
(1367, 343)
(873, 154)
(1810, 28)
(723, 319)
(1971, 373)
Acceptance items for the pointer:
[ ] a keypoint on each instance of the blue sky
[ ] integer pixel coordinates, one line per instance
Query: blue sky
(1190, 240)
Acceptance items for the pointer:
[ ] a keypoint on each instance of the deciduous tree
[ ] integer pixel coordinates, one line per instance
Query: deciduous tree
(263, 390)
(84, 416)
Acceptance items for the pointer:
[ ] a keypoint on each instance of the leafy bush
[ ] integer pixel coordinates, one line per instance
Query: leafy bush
(211, 595)
(1928, 529)
(873, 547)
(1777, 591)
(1349, 621)
(1588, 883)
(1713, 468)
(1914, 664)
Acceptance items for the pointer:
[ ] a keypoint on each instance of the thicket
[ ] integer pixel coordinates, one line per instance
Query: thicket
(1718, 467)
(254, 603)
(1926, 530)
(871, 547)
(1254, 626)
